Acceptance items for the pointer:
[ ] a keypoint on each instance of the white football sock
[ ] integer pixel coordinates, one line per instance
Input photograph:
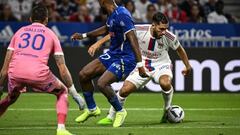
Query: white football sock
(76, 97)
(112, 112)
(61, 126)
(121, 99)
(167, 97)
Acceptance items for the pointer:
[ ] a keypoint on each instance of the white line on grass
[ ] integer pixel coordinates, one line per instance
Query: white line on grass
(134, 127)
(129, 109)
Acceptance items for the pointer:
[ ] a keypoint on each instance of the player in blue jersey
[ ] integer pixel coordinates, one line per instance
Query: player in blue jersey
(116, 64)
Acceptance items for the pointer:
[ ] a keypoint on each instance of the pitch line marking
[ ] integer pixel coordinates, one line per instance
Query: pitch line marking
(129, 109)
(157, 127)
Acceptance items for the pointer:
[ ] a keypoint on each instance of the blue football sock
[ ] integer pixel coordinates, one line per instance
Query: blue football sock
(89, 100)
(115, 103)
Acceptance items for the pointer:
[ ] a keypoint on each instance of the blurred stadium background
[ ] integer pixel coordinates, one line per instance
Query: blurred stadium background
(208, 29)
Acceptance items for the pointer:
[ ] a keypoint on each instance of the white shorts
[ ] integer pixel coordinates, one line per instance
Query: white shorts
(138, 81)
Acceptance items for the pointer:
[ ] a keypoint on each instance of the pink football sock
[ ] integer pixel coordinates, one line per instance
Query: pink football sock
(62, 107)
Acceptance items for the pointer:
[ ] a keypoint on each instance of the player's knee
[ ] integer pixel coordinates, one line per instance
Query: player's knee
(124, 93)
(82, 76)
(165, 83)
(127, 89)
(165, 86)
(58, 91)
(101, 86)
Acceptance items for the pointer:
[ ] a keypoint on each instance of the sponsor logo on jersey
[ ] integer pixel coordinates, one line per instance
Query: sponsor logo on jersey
(151, 55)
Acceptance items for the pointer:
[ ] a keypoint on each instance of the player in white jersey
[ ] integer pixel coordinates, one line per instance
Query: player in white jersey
(154, 40)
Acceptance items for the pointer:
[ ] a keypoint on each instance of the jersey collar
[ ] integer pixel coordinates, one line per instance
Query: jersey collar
(38, 24)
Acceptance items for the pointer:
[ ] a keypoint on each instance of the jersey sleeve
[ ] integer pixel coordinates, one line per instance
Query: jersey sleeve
(126, 22)
(172, 40)
(175, 44)
(57, 49)
(12, 43)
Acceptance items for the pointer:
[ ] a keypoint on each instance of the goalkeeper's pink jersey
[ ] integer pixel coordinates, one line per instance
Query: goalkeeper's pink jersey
(32, 46)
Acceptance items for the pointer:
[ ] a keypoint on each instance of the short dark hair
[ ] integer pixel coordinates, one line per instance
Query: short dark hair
(219, 2)
(39, 13)
(160, 17)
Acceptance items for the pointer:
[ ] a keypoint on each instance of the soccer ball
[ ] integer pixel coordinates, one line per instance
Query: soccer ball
(175, 114)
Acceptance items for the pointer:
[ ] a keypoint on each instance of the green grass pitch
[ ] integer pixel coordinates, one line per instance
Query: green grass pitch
(205, 114)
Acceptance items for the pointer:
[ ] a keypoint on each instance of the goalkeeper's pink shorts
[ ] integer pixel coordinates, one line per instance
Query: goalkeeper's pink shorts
(48, 86)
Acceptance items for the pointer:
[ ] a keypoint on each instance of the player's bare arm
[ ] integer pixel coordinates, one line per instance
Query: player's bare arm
(94, 33)
(63, 70)
(3, 73)
(183, 55)
(93, 48)
(134, 42)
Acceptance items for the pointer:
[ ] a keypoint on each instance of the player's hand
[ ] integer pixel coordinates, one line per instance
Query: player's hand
(77, 36)
(187, 70)
(92, 49)
(142, 72)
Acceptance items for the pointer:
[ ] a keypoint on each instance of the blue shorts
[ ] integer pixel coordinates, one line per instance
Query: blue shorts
(118, 65)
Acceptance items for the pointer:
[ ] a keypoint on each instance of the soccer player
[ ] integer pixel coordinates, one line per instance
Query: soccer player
(26, 65)
(114, 65)
(154, 40)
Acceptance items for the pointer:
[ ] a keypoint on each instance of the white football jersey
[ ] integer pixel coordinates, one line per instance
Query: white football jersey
(155, 51)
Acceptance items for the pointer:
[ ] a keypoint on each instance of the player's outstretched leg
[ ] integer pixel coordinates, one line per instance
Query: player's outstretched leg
(8, 100)
(77, 98)
(167, 93)
(62, 108)
(167, 96)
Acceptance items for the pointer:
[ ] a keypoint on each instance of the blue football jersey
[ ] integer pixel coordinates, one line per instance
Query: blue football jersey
(119, 23)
